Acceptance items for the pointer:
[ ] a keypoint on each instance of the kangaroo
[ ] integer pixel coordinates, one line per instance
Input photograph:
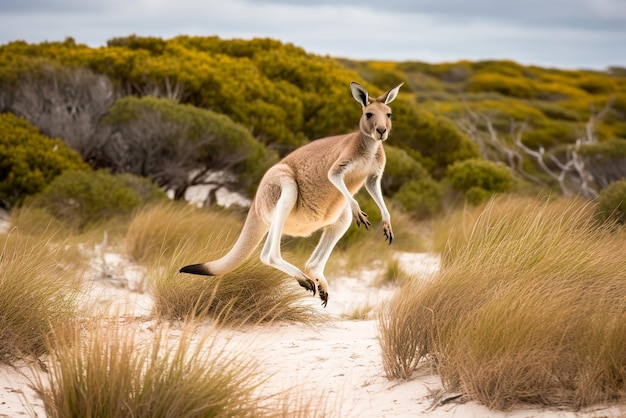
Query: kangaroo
(312, 188)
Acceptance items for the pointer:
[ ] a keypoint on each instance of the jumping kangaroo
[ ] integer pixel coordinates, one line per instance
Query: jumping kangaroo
(312, 188)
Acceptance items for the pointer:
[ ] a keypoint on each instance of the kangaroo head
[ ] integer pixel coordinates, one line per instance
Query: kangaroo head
(376, 119)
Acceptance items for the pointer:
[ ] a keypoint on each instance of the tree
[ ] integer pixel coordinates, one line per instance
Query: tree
(178, 146)
(64, 103)
(579, 168)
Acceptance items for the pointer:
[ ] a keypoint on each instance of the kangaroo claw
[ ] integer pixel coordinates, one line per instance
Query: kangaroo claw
(324, 297)
(308, 285)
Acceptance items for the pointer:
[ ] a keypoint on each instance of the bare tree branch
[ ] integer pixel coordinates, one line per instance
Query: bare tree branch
(572, 174)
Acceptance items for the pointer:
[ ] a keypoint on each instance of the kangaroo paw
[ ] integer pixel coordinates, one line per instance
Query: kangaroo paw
(324, 297)
(308, 285)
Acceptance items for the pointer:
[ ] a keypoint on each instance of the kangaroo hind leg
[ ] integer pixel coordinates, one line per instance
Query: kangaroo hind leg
(317, 262)
(270, 254)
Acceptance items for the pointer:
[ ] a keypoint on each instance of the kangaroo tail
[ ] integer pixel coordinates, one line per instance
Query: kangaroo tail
(251, 235)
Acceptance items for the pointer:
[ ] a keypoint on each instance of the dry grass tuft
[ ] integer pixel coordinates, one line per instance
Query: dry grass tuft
(37, 293)
(110, 368)
(116, 370)
(251, 293)
(157, 231)
(168, 237)
(529, 306)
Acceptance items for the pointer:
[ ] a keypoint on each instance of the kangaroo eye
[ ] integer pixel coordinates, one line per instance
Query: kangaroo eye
(389, 115)
(368, 115)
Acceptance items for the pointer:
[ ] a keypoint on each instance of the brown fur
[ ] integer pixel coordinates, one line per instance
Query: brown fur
(312, 189)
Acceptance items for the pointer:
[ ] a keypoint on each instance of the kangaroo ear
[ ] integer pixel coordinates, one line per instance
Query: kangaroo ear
(391, 95)
(359, 93)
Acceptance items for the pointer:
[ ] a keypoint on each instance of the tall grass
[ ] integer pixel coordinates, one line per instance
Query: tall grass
(167, 237)
(251, 293)
(116, 371)
(38, 292)
(529, 306)
(156, 231)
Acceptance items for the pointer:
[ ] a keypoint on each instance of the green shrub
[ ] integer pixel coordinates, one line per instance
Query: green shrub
(597, 84)
(431, 137)
(409, 184)
(82, 199)
(612, 202)
(509, 86)
(29, 161)
(147, 191)
(181, 139)
(421, 198)
(386, 79)
(479, 179)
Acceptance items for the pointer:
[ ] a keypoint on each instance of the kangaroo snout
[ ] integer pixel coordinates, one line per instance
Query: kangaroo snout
(382, 132)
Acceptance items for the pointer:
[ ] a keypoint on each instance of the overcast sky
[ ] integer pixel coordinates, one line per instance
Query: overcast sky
(550, 33)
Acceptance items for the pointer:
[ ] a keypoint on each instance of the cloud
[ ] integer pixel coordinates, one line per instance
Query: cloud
(561, 33)
(588, 14)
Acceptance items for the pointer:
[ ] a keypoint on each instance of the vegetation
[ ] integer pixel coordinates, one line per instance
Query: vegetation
(278, 93)
(479, 179)
(148, 114)
(612, 202)
(167, 237)
(606, 161)
(528, 307)
(37, 293)
(178, 146)
(115, 371)
(81, 199)
(30, 161)
(202, 110)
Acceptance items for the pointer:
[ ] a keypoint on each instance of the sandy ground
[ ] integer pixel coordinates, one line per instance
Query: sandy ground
(337, 362)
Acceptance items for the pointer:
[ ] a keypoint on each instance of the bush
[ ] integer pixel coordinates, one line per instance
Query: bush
(612, 202)
(181, 139)
(432, 138)
(29, 161)
(528, 307)
(144, 188)
(252, 293)
(479, 179)
(81, 199)
(157, 230)
(509, 86)
(605, 160)
(386, 79)
(597, 84)
(421, 198)
(409, 184)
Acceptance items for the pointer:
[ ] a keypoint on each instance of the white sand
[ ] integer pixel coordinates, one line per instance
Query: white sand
(338, 362)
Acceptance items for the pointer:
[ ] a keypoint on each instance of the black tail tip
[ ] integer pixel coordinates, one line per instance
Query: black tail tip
(196, 269)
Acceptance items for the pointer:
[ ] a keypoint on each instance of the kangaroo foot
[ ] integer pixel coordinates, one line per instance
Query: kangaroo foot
(324, 297)
(308, 284)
